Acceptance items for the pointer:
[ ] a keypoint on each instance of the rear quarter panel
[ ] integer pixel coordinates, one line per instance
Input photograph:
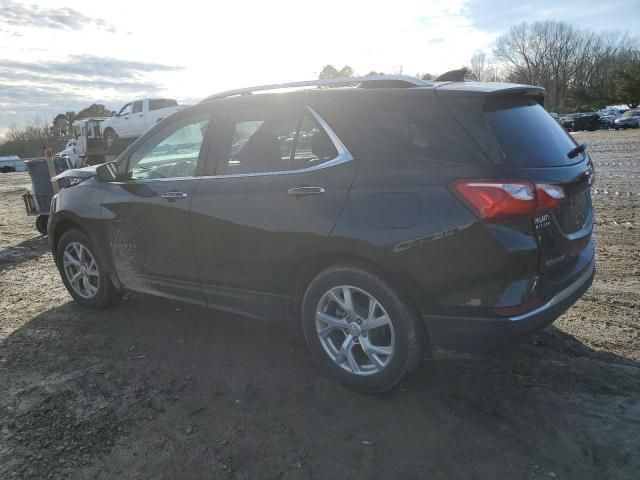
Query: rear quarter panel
(401, 214)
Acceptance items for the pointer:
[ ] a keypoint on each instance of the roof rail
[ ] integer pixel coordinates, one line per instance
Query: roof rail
(361, 81)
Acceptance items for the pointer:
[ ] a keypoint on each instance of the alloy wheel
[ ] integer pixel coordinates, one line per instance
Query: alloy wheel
(81, 270)
(355, 330)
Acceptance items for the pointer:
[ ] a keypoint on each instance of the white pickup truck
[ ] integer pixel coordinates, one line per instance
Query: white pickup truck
(136, 117)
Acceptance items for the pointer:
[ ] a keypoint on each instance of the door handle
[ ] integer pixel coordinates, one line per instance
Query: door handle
(174, 195)
(141, 115)
(303, 191)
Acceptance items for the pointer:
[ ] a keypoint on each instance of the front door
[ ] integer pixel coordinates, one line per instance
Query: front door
(281, 180)
(146, 217)
(122, 122)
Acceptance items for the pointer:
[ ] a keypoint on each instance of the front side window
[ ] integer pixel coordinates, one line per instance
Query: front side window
(171, 152)
(263, 142)
(137, 107)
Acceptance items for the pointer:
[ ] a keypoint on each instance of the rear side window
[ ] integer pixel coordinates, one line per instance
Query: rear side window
(266, 141)
(412, 127)
(528, 135)
(158, 103)
(312, 145)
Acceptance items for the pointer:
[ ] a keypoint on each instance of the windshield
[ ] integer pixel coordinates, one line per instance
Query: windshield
(527, 134)
(631, 113)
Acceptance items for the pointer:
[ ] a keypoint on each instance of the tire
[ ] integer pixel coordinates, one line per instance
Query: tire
(403, 336)
(105, 293)
(41, 224)
(110, 138)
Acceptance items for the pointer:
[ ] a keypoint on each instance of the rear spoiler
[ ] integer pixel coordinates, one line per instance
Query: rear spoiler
(472, 89)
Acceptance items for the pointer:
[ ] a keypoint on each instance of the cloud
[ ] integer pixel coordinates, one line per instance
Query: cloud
(32, 15)
(87, 66)
(28, 89)
(498, 15)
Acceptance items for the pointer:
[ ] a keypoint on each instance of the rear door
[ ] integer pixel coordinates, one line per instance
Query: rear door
(281, 179)
(534, 147)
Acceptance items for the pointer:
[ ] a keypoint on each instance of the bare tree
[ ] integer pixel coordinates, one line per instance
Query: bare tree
(576, 67)
(29, 140)
(329, 71)
(482, 69)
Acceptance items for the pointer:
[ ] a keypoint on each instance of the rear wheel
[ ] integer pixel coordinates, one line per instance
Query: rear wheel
(83, 271)
(360, 329)
(109, 138)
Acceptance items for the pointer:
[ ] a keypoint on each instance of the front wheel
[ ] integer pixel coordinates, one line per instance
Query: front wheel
(83, 271)
(360, 329)
(41, 224)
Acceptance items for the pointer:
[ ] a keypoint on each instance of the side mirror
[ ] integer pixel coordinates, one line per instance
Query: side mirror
(107, 172)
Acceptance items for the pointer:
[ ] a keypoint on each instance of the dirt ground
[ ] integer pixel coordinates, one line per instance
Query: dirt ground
(156, 389)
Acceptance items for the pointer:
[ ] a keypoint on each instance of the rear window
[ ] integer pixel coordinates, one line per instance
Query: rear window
(159, 103)
(528, 135)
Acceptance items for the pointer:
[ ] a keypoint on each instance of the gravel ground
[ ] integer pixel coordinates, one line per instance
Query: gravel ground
(156, 389)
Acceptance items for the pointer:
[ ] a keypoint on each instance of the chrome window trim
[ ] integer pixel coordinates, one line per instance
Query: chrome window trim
(343, 156)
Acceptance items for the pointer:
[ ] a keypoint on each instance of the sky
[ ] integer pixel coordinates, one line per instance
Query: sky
(57, 56)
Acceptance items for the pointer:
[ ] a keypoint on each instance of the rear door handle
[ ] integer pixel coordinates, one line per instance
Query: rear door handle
(302, 191)
(174, 195)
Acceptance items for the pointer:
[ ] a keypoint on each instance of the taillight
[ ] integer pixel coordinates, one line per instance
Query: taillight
(549, 196)
(503, 199)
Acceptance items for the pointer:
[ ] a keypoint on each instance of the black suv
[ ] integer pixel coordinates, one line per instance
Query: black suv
(391, 219)
(586, 121)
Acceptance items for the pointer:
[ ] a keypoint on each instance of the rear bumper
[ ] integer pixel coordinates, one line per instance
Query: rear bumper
(478, 335)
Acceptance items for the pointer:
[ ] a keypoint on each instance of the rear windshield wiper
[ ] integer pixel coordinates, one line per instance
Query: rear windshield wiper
(578, 150)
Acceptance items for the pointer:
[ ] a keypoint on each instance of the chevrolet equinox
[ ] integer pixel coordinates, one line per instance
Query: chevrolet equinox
(389, 218)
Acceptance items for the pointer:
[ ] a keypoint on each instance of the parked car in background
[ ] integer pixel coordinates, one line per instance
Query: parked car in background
(586, 121)
(555, 116)
(11, 164)
(137, 117)
(568, 120)
(607, 121)
(387, 223)
(629, 119)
